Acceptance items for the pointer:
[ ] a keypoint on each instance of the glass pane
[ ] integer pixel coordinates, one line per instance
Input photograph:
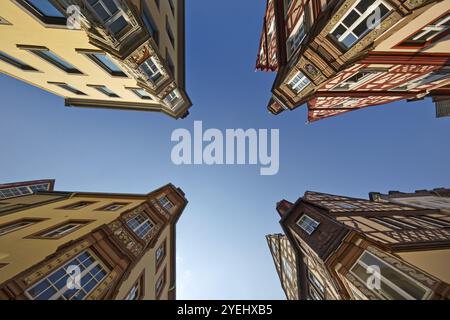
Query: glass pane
(111, 6)
(363, 5)
(104, 59)
(47, 294)
(351, 18)
(118, 25)
(46, 8)
(349, 40)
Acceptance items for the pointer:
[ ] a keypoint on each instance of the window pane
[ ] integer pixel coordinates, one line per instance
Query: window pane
(118, 25)
(351, 18)
(46, 8)
(103, 58)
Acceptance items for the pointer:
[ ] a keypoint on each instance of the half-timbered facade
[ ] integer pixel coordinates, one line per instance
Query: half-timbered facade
(342, 55)
(119, 54)
(349, 248)
(120, 246)
(285, 263)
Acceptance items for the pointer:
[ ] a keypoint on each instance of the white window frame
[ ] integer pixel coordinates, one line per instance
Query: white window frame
(112, 17)
(173, 99)
(432, 27)
(166, 203)
(57, 233)
(64, 289)
(370, 75)
(16, 226)
(308, 224)
(386, 281)
(142, 224)
(299, 82)
(153, 67)
(363, 16)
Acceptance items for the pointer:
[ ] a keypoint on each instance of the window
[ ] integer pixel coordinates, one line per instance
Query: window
(114, 206)
(23, 190)
(105, 90)
(61, 230)
(150, 68)
(297, 36)
(435, 221)
(173, 99)
(160, 254)
(17, 225)
(141, 93)
(316, 283)
(308, 224)
(137, 291)
(394, 284)
(54, 286)
(68, 88)
(45, 11)
(15, 62)
(150, 25)
(346, 205)
(78, 205)
(160, 284)
(55, 60)
(165, 203)
(170, 33)
(355, 81)
(287, 269)
(299, 82)
(359, 21)
(106, 63)
(429, 34)
(140, 225)
(111, 14)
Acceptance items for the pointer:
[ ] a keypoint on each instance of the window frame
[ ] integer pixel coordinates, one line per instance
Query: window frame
(167, 204)
(301, 84)
(112, 17)
(305, 216)
(72, 205)
(106, 208)
(137, 229)
(92, 56)
(160, 288)
(44, 234)
(150, 64)
(60, 292)
(159, 261)
(29, 221)
(428, 42)
(15, 62)
(107, 92)
(136, 92)
(48, 20)
(41, 53)
(363, 17)
(388, 282)
(140, 284)
(68, 88)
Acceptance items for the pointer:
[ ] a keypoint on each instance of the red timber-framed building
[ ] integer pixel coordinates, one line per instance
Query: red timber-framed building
(340, 242)
(343, 55)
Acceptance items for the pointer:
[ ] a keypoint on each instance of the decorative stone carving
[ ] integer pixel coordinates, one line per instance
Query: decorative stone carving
(55, 263)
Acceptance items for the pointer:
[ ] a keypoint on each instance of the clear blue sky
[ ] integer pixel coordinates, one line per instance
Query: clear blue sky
(221, 245)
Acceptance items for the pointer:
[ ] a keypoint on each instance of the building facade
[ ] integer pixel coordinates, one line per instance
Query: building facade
(343, 55)
(285, 263)
(349, 248)
(120, 54)
(78, 245)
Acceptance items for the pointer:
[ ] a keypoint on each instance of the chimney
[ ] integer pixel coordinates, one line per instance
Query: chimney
(283, 207)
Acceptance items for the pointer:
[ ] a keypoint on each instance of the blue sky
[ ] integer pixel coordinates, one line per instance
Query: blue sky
(221, 246)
